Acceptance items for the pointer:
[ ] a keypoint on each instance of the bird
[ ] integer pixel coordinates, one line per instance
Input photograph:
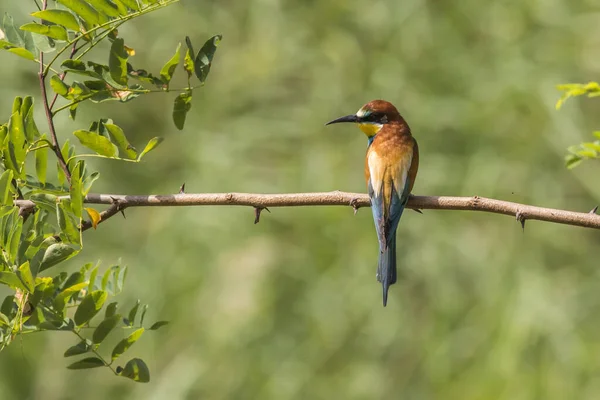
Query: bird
(391, 165)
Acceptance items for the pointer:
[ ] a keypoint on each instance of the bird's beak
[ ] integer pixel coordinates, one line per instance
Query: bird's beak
(347, 118)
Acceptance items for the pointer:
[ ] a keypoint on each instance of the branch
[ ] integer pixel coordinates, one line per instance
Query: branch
(55, 147)
(521, 212)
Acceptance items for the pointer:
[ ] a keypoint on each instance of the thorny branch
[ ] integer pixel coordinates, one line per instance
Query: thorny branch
(521, 212)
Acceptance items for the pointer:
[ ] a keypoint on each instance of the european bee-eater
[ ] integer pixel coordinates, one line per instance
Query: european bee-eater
(390, 170)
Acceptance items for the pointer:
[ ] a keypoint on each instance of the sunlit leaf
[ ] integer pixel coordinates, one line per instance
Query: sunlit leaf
(24, 273)
(97, 143)
(76, 190)
(106, 7)
(118, 137)
(126, 343)
(59, 17)
(59, 86)
(188, 63)
(84, 10)
(136, 370)
(11, 279)
(52, 31)
(61, 300)
(5, 182)
(166, 72)
(55, 254)
(152, 144)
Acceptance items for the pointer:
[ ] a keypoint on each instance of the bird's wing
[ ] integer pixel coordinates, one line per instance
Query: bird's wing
(389, 189)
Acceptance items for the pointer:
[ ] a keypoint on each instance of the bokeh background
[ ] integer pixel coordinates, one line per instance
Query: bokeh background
(290, 308)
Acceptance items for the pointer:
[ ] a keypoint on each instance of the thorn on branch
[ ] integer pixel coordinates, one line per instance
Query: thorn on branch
(354, 204)
(182, 189)
(521, 218)
(593, 211)
(119, 206)
(257, 211)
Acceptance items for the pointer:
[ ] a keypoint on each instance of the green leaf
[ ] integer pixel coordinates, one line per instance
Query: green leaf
(73, 65)
(90, 362)
(105, 7)
(120, 139)
(133, 313)
(52, 31)
(84, 10)
(21, 52)
(17, 150)
(152, 144)
(31, 130)
(90, 306)
(143, 314)
(183, 104)
(126, 343)
(15, 240)
(104, 328)
(5, 182)
(60, 17)
(131, 4)
(88, 181)
(24, 273)
(12, 34)
(67, 221)
(76, 190)
(43, 43)
(41, 164)
(188, 43)
(92, 279)
(45, 200)
(59, 86)
(80, 348)
(111, 310)
(157, 325)
(166, 72)
(55, 254)
(121, 7)
(97, 143)
(203, 60)
(11, 279)
(61, 300)
(117, 62)
(188, 63)
(137, 370)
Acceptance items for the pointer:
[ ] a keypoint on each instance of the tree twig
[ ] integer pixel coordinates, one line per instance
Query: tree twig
(49, 116)
(354, 200)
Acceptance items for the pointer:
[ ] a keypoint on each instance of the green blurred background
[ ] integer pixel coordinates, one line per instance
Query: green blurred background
(290, 308)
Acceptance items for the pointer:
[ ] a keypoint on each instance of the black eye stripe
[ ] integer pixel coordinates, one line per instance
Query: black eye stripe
(374, 117)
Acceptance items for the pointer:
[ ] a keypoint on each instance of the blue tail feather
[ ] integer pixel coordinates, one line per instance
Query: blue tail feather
(386, 268)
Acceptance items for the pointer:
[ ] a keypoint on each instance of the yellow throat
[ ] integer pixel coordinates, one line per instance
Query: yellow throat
(370, 129)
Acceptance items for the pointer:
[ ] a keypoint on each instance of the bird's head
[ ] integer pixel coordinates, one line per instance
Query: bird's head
(372, 117)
